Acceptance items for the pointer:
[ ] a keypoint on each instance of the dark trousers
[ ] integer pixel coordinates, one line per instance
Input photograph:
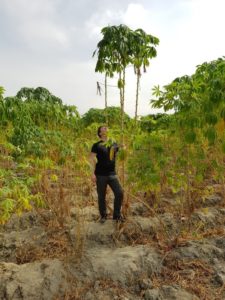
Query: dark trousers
(113, 182)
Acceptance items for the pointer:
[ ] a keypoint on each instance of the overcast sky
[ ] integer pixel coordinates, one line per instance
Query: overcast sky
(50, 43)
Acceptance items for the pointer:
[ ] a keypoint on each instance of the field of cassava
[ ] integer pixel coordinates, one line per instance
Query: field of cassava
(172, 167)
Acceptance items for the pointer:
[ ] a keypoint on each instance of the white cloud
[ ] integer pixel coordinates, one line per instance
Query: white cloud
(38, 33)
(204, 31)
(136, 16)
(23, 9)
(35, 23)
(101, 19)
(50, 42)
(190, 33)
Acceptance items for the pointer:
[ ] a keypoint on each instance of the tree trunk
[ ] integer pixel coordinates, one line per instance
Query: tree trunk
(122, 124)
(106, 104)
(121, 102)
(137, 97)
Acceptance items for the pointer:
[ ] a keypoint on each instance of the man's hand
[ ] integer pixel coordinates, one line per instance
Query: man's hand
(93, 178)
(92, 166)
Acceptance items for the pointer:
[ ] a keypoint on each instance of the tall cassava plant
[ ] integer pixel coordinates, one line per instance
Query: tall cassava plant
(142, 51)
(199, 104)
(114, 54)
(104, 64)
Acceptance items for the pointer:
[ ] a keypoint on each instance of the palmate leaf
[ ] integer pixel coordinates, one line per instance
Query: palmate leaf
(190, 137)
(192, 121)
(7, 205)
(216, 98)
(2, 90)
(5, 191)
(156, 91)
(207, 106)
(211, 119)
(38, 200)
(24, 203)
(6, 209)
(158, 149)
(199, 178)
(154, 178)
(54, 177)
(210, 134)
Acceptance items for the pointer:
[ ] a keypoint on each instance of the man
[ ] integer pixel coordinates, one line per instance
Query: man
(104, 174)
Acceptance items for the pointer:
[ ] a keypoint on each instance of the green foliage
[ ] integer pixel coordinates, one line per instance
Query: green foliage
(142, 49)
(154, 122)
(175, 152)
(97, 115)
(211, 119)
(114, 115)
(145, 163)
(16, 196)
(94, 115)
(2, 90)
(39, 94)
(39, 135)
(197, 99)
(119, 47)
(211, 135)
(113, 49)
(40, 108)
(190, 137)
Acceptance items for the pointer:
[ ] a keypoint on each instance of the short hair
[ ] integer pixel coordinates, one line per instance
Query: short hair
(99, 130)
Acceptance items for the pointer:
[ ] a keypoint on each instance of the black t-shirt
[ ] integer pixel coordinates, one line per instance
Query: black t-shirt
(106, 156)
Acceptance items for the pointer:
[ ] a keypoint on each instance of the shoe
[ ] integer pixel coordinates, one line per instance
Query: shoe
(103, 219)
(119, 219)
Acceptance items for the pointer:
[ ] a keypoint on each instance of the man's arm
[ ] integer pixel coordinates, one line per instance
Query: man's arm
(93, 164)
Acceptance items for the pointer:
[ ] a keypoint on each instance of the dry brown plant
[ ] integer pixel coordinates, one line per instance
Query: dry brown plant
(194, 276)
(132, 232)
(57, 245)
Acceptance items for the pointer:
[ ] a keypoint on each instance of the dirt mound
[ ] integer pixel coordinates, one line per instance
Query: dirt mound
(147, 257)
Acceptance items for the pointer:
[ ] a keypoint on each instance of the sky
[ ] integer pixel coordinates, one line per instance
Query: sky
(50, 43)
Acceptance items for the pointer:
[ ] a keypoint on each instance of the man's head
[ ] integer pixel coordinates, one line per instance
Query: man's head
(102, 131)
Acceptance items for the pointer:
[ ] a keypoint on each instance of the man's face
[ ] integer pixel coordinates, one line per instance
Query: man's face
(103, 131)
